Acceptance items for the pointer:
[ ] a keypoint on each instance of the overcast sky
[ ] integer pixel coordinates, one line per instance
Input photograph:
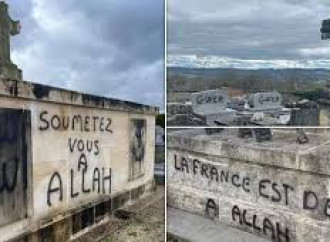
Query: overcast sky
(106, 47)
(249, 29)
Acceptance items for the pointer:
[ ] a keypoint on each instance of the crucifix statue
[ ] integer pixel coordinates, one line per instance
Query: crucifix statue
(8, 27)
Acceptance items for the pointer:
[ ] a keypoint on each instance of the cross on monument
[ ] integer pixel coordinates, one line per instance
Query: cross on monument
(8, 27)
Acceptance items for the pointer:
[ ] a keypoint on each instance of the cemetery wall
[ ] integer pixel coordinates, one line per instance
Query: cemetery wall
(68, 160)
(278, 189)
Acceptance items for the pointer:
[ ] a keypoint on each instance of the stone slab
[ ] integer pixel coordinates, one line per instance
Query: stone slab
(300, 192)
(209, 102)
(191, 227)
(277, 189)
(265, 100)
(282, 151)
(44, 93)
(264, 222)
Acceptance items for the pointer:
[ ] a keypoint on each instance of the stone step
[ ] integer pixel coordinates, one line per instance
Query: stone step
(184, 226)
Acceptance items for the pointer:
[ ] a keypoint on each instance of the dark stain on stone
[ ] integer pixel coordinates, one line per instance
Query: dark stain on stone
(41, 91)
(11, 87)
(92, 100)
(74, 96)
(123, 214)
(120, 200)
(46, 234)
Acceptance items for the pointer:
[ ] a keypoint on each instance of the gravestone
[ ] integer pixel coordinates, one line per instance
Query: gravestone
(213, 105)
(265, 101)
(209, 102)
(8, 27)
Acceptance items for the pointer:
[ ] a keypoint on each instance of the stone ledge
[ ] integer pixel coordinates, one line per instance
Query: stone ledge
(282, 151)
(39, 92)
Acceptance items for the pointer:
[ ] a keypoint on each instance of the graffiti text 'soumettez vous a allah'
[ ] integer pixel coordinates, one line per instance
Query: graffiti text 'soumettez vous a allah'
(75, 122)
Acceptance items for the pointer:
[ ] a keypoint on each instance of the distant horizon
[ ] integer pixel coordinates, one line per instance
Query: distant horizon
(223, 62)
(248, 34)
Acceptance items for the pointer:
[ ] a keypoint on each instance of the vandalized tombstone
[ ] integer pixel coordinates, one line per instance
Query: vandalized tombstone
(265, 101)
(266, 108)
(209, 102)
(8, 27)
(213, 105)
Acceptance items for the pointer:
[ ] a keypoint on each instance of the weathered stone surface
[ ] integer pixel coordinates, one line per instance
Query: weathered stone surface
(258, 184)
(283, 151)
(305, 113)
(79, 155)
(266, 222)
(37, 92)
(265, 100)
(178, 108)
(190, 227)
(276, 189)
(209, 102)
(186, 120)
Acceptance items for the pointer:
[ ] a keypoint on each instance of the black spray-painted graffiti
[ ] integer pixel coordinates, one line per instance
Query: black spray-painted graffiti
(274, 191)
(209, 98)
(268, 99)
(263, 225)
(137, 147)
(98, 182)
(74, 123)
(12, 134)
(8, 176)
(212, 209)
(313, 202)
(14, 145)
(267, 189)
(9, 163)
(138, 140)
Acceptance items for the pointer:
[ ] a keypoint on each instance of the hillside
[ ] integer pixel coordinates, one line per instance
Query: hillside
(196, 79)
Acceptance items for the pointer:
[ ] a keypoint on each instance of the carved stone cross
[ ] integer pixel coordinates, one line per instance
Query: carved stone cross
(8, 27)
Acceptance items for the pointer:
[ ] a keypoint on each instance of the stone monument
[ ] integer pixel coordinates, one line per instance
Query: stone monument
(266, 108)
(212, 104)
(8, 27)
(265, 101)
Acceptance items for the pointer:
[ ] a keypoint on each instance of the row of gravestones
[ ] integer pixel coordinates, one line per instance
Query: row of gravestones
(216, 101)
(213, 107)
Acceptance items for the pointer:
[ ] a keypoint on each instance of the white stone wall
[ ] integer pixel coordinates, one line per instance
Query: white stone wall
(271, 199)
(72, 155)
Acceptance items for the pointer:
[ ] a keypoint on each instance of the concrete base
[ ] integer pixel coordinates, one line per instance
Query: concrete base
(190, 227)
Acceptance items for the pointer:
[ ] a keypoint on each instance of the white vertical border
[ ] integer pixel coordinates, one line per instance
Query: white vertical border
(165, 104)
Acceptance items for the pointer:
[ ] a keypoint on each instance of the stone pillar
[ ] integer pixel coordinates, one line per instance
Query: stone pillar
(8, 28)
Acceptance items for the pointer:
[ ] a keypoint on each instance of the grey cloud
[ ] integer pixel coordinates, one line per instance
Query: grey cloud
(112, 48)
(273, 29)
